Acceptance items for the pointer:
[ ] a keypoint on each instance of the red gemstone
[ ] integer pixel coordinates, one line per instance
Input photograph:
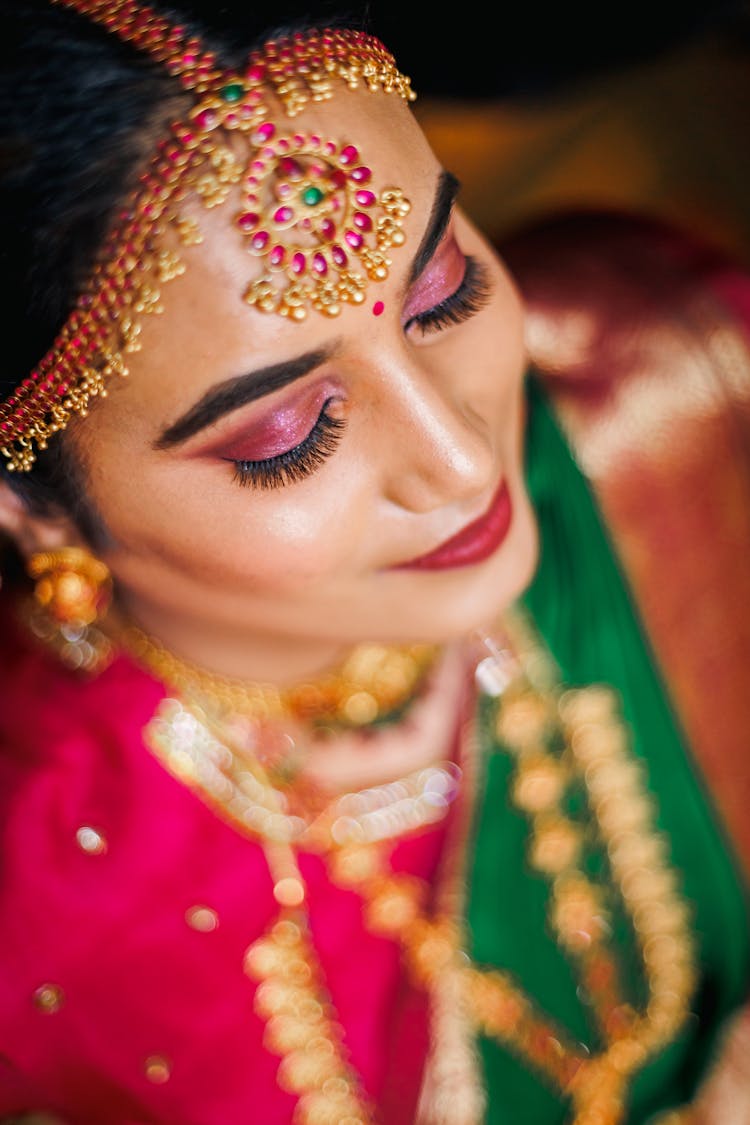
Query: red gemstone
(360, 175)
(299, 263)
(362, 221)
(365, 198)
(327, 228)
(255, 73)
(264, 132)
(260, 240)
(207, 119)
(348, 154)
(290, 167)
(283, 215)
(319, 264)
(338, 178)
(277, 255)
(248, 221)
(339, 257)
(354, 239)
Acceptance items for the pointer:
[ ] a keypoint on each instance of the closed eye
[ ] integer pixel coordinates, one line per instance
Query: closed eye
(294, 464)
(469, 298)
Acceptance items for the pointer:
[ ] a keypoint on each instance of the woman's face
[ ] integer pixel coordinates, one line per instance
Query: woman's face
(271, 487)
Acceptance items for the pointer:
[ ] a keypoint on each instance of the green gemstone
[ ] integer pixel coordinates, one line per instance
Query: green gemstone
(311, 196)
(232, 93)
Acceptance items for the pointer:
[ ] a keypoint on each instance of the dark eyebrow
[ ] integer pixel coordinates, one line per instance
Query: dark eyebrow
(233, 393)
(239, 391)
(445, 196)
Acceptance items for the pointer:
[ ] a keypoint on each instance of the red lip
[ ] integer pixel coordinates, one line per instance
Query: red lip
(474, 543)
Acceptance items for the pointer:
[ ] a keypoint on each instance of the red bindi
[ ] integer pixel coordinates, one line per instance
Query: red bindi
(377, 308)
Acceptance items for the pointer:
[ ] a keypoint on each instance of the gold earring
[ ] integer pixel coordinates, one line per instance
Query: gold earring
(72, 593)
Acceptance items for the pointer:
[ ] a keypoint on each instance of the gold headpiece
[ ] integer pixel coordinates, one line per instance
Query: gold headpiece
(309, 210)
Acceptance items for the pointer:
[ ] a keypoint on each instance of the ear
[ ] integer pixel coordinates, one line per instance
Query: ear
(32, 532)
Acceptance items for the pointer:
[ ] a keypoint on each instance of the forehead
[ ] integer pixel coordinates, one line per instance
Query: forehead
(208, 300)
(197, 158)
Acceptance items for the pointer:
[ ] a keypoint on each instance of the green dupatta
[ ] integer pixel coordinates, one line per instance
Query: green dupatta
(580, 604)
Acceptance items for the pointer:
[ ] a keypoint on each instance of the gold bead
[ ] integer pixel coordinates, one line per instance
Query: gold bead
(522, 721)
(394, 907)
(303, 1070)
(539, 785)
(286, 1033)
(289, 891)
(49, 998)
(202, 918)
(91, 840)
(594, 704)
(157, 1069)
(554, 846)
(286, 933)
(263, 959)
(353, 865)
(360, 708)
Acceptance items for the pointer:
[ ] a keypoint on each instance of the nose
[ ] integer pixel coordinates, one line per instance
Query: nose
(439, 450)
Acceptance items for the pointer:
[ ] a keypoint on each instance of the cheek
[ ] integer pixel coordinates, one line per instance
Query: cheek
(201, 525)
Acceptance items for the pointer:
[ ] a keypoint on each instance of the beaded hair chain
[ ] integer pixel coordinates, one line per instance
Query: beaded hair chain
(308, 210)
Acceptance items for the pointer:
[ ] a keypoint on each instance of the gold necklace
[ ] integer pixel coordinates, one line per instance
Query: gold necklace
(302, 1026)
(554, 736)
(529, 719)
(371, 684)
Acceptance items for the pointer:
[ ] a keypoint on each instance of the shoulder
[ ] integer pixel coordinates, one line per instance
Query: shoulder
(640, 334)
(59, 730)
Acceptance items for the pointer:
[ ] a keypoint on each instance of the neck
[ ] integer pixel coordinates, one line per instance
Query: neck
(278, 659)
(372, 683)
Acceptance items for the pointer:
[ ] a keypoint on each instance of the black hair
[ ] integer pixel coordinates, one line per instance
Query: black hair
(80, 112)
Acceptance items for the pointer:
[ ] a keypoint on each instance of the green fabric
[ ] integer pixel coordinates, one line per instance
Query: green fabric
(581, 606)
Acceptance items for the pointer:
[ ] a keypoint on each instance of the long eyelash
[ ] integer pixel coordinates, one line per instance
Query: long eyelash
(297, 463)
(471, 296)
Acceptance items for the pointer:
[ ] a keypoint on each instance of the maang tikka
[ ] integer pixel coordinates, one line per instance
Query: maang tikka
(310, 211)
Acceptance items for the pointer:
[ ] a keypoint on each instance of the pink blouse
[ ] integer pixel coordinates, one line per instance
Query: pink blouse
(127, 906)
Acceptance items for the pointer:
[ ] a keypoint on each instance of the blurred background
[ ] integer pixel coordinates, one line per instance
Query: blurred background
(641, 107)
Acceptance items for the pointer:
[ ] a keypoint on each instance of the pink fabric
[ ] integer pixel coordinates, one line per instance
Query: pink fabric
(110, 929)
